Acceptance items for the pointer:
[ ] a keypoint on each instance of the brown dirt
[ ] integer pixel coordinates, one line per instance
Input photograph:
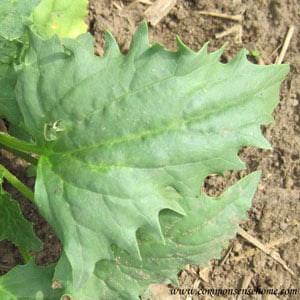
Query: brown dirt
(274, 217)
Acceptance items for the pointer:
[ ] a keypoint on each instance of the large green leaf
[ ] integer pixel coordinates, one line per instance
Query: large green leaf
(28, 282)
(126, 139)
(192, 239)
(13, 226)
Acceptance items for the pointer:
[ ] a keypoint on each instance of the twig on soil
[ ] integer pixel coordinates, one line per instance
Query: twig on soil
(260, 60)
(147, 2)
(272, 244)
(191, 270)
(245, 284)
(204, 273)
(237, 29)
(264, 248)
(273, 53)
(116, 5)
(236, 18)
(134, 3)
(226, 256)
(158, 10)
(285, 44)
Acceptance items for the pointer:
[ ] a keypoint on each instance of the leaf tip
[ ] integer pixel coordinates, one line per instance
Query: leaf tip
(140, 40)
(111, 45)
(218, 53)
(182, 47)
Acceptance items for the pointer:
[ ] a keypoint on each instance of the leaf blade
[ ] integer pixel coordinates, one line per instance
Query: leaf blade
(28, 282)
(14, 17)
(13, 226)
(188, 241)
(144, 130)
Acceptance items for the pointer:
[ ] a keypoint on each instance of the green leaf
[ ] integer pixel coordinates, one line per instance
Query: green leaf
(13, 226)
(126, 139)
(192, 239)
(64, 17)
(14, 17)
(14, 20)
(28, 282)
(9, 53)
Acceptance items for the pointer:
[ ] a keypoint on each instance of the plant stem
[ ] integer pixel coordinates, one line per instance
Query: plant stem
(25, 254)
(23, 155)
(13, 180)
(19, 145)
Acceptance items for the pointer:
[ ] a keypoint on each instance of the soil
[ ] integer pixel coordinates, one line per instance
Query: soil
(274, 217)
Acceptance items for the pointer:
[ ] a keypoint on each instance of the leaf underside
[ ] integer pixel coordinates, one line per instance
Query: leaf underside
(126, 143)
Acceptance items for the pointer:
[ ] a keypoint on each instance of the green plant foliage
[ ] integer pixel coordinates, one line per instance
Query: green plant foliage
(9, 53)
(14, 17)
(62, 17)
(13, 225)
(28, 282)
(125, 144)
(193, 238)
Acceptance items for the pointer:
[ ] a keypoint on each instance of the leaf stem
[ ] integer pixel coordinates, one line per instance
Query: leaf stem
(13, 180)
(23, 155)
(25, 254)
(19, 145)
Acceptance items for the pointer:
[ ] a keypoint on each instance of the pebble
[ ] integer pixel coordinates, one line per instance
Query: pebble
(171, 25)
(237, 247)
(294, 102)
(283, 226)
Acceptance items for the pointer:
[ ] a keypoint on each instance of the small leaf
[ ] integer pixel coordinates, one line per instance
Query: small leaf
(14, 19)
(28, 282)
(255, 53)
(9, 53)
(64, 17)
(13, 226)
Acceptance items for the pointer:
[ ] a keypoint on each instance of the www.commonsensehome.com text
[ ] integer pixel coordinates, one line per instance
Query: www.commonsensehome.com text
(227, 292)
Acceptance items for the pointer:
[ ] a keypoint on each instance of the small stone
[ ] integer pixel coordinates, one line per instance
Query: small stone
(294, 102)
(283, 226)
(171, 25)
(237, 247)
